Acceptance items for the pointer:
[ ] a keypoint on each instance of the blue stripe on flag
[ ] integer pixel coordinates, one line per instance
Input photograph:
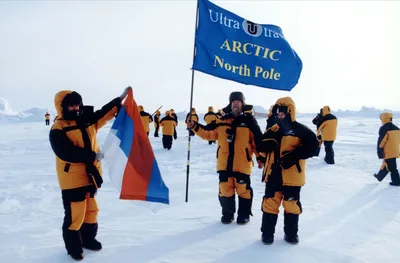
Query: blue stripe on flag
(157, 191)
(125, 127)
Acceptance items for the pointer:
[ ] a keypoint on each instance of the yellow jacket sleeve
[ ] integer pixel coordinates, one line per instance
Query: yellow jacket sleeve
(107, 112)
(209, 132)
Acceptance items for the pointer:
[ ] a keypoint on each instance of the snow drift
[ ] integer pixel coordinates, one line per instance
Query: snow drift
(30, 115)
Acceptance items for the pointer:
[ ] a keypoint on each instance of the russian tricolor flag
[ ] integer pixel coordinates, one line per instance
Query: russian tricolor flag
(130, 157)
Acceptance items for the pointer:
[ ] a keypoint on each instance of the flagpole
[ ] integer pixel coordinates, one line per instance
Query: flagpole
(191, 103)
(156, 110)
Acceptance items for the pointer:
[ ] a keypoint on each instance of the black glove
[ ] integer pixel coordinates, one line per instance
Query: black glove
(268, 143)
(261, 159)
(94, 175)
(380, 153)
(275, 110)
(267, 146)
(316, 119)
(289, 159)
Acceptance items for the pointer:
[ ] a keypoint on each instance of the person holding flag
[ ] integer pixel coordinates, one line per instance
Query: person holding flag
(74, 142)
(237, 134)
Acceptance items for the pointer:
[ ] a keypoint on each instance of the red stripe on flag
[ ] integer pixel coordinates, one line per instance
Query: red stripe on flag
(137, 173)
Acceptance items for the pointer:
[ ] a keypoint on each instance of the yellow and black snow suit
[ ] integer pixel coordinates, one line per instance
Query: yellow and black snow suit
(173, 115)
(146, 119)
(47, 118)
(168, 124)
(237, 137)
(194, 117)
(327, 125)
(287, 144)
(388, 148)
(73, 140)
(219, 113)
(326, 131)
(209, 117)
(157, 123)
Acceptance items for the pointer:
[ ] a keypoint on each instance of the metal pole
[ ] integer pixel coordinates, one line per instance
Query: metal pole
(191, 105)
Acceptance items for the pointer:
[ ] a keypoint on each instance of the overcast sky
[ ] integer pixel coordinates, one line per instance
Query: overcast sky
(350, 53)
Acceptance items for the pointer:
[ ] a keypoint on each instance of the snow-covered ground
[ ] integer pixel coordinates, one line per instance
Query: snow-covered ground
(347, 215)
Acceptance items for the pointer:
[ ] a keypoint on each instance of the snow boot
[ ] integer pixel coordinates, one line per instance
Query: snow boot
(242, 220)
(88, 233)
(268, 228)
(267, 239)
(227, 219)
(329, 153)
(73, 243)
(77, 256)
(291, 222)
(244, 211)
(228, 209)
(210, 142)
(294, 240)
(93, 245)
(381, 175)
(395, 178)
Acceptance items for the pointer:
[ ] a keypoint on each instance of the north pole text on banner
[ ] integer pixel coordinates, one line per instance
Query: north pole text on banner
(231, 47)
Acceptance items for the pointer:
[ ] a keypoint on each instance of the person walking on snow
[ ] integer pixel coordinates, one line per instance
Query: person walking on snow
(287, 144)
(326, 131)
(73, 138)
(157, 123)
(388, 149)
(173, 115)
(219, 113)
(209, 117)
(47, 118)
(237, 134)
(193, 115)
(168, 124)
(146, 119)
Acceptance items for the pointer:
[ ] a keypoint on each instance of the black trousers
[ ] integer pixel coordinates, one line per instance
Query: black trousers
(329, 153)
(156, 131)
(289, 196)
(80, 218)
(47, 122)
(229, 183)
(167, 141)
(389, 166)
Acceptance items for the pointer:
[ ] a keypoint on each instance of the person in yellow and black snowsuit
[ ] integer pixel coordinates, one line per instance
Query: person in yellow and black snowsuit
(47, 118)
(237, 134)
(209, 117)
(146, 119)
(195, 118)
(74, 142)
(287, 144)
(388, 149)
(326, 131)
(157, 123)
(173, 115)
(168, 124)
(219, 114)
